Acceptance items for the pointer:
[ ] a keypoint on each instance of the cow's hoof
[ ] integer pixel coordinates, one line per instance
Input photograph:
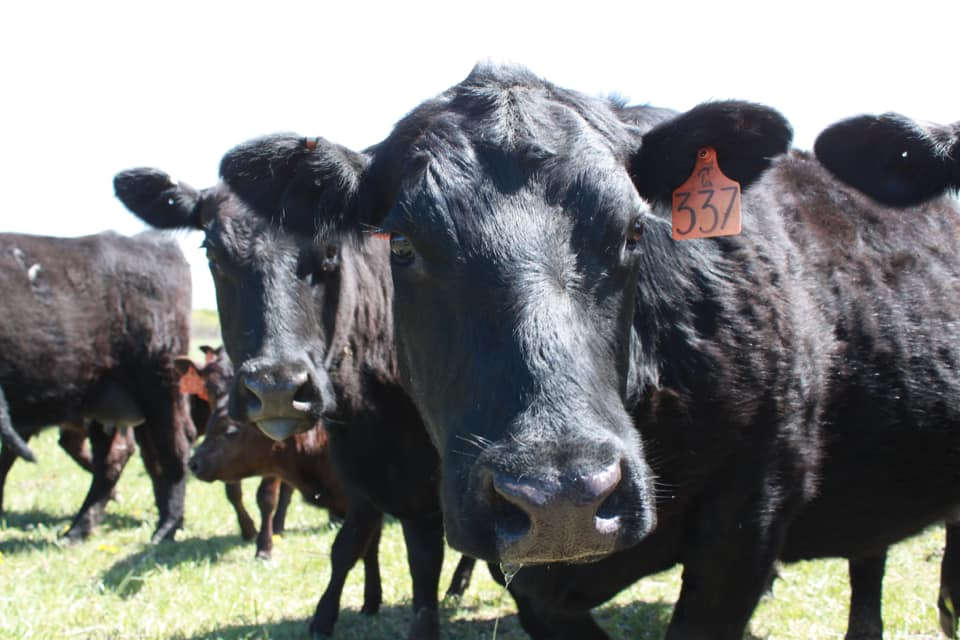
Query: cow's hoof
(248, 533)
(264, 554)
(166, 532)
(370, 607)
(322, 624)
(425, 625)
(948, 615)
(74, 535)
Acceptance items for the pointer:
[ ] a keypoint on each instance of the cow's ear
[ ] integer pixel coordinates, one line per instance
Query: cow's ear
(891, 158)
(157, 199)
(307, 185)
(191, 380)
(746, 137)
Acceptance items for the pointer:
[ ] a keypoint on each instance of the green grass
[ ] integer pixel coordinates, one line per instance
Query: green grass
(208, 585)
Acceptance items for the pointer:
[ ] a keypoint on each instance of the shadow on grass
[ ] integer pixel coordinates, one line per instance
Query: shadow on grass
(26, 545)
(34, 518)
(636, 620)
(126, 577)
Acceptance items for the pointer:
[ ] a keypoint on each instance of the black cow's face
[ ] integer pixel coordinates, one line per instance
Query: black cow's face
(514, 287)
(270, 294)
(271, 289)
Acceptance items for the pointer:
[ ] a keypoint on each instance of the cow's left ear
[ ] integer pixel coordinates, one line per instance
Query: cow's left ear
(191, 381)
(304, 184)
(746, 137)
(891, 158)
(157, 199)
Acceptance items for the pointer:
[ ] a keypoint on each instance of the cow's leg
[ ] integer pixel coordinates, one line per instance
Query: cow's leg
(866, 593)
(9, 436)
(248, 530)
(372, 589)
(165, 429)
(949, 601)
(283, 503)
(111, 451)
(73, 440)
(362, 521)
(7, 457)
(461, 577)
(729, 554)
(267, 503)
(424, 540)
(546, 623)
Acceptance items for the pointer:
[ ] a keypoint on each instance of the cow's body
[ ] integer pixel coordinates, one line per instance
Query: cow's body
(90, 330)
(899, 163)
(600, 392)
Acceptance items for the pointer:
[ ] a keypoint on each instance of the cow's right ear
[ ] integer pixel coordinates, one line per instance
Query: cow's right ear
(191, 381)
(891, 158)
(746, 136)
(306, 185)
(157, 199)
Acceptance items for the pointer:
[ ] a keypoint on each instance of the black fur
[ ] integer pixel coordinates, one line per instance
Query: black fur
(91, 329)
(891, 158)
(789, 392)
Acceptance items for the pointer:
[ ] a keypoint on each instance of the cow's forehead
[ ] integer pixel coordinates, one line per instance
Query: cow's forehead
(503, 131)
(233, 222)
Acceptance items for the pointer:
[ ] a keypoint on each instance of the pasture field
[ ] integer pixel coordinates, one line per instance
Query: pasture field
(208, 585)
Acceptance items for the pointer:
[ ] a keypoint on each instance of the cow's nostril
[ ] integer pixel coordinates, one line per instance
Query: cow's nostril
(511, 520)
(193, 464)
(251, 398)
(613, 505)
(306, 394)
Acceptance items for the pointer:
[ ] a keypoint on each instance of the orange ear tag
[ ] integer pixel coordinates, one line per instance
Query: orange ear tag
(192, 384)
(708, 203)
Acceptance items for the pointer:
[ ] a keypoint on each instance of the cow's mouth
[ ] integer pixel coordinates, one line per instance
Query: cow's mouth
(282, 428)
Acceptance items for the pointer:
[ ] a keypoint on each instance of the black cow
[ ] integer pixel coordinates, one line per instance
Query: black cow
(899, 163)
(608, 402)
(90, 329)
(309, 330)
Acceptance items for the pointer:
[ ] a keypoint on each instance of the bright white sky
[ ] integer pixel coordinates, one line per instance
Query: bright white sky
(90, 88)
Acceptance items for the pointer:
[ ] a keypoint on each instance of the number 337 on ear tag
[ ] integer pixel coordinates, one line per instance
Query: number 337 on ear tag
(708, 203)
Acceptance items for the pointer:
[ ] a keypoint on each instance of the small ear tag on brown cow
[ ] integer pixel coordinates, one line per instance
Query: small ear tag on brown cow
(708, 203)
(192, 384)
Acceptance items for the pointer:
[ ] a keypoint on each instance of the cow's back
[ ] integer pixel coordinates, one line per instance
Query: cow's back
(80, 310)
(886, 282)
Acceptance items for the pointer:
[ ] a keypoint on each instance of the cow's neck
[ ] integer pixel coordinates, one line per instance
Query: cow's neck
(676, 309)
(361, 344)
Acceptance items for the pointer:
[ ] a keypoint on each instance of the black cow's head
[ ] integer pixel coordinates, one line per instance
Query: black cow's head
(270, 285)
(891, 158)
(517, 213)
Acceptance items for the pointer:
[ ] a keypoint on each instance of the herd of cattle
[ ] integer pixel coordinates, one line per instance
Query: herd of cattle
(483, 327)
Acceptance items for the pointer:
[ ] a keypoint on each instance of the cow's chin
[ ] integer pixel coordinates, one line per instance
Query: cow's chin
(282, 428)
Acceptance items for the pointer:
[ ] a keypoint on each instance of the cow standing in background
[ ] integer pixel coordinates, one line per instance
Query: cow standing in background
(210, 384)
(607, 401)
(89, 332)
(898, 163)
(309, 331)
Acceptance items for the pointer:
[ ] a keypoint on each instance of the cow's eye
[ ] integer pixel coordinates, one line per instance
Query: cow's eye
(401, 249)
(635, 234)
